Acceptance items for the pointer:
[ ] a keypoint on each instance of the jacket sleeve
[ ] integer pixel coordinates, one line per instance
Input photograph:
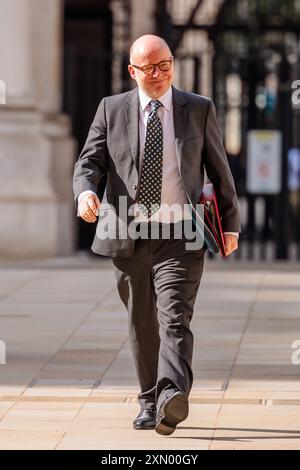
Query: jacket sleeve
(90, 167)
(218, 171)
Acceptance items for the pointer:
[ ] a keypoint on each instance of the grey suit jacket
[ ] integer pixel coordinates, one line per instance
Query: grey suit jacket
(112, 149)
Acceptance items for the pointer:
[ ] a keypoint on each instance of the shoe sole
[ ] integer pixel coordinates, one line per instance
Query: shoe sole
(174, 411)
(142, 428)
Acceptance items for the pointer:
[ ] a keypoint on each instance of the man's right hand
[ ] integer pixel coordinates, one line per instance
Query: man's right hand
(88, 208)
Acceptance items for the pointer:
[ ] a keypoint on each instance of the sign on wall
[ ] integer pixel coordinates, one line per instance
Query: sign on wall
(264, 149)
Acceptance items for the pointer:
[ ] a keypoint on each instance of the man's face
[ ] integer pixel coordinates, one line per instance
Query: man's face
(156, 84)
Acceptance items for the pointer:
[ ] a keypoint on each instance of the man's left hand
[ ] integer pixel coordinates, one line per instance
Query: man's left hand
(231, 243)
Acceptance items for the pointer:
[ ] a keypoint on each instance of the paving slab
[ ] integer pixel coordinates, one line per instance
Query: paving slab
(241, 427)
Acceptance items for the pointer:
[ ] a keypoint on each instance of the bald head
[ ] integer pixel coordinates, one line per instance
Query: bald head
(150, 50)
(146, 45)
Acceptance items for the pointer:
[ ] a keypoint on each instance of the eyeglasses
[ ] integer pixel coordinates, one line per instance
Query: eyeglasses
(164, 66)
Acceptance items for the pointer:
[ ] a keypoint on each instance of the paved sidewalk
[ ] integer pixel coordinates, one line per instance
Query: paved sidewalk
(69, 383)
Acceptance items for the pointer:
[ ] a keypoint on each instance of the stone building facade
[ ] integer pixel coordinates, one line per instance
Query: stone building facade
(37, 149)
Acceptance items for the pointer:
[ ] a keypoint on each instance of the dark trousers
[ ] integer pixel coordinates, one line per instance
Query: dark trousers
(158, 285)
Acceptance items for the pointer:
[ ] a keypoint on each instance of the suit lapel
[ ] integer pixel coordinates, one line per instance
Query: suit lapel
(180, 115)
(131, 111)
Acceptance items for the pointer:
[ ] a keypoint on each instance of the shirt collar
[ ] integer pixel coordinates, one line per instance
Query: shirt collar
(166, 99)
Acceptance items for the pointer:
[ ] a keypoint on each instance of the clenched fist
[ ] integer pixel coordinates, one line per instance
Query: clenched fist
(88, 207)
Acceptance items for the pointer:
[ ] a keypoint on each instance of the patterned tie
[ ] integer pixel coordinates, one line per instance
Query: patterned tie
(151, 177)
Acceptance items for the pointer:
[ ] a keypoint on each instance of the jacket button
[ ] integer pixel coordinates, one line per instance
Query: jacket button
(134, 186)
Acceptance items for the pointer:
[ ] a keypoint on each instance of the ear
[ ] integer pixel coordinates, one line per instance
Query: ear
(131, 70)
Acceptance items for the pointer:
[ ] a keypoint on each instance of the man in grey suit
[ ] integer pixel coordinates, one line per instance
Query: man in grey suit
(153, 144)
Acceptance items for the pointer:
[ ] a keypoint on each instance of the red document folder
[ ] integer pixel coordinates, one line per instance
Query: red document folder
(212, 215)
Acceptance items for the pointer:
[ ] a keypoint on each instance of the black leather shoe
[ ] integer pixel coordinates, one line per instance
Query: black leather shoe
(146, 419)
(172, 411)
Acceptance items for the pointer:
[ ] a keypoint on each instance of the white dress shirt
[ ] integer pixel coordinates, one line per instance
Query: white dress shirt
(174, 205)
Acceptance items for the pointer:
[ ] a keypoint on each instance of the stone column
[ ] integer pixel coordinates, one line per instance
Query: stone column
(16, 65)
(36, 148)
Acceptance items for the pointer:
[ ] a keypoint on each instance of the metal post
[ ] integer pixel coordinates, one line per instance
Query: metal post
(163, 22)
(252, 124)
(285, 119)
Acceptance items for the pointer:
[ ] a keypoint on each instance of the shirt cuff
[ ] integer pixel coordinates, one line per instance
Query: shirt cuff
(88, 191)
(236, 234)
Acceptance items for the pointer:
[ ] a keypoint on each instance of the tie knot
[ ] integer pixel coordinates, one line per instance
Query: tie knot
(155, 104)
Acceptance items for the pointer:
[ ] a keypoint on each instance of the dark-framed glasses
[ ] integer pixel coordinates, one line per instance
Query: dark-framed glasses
(164, 66)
